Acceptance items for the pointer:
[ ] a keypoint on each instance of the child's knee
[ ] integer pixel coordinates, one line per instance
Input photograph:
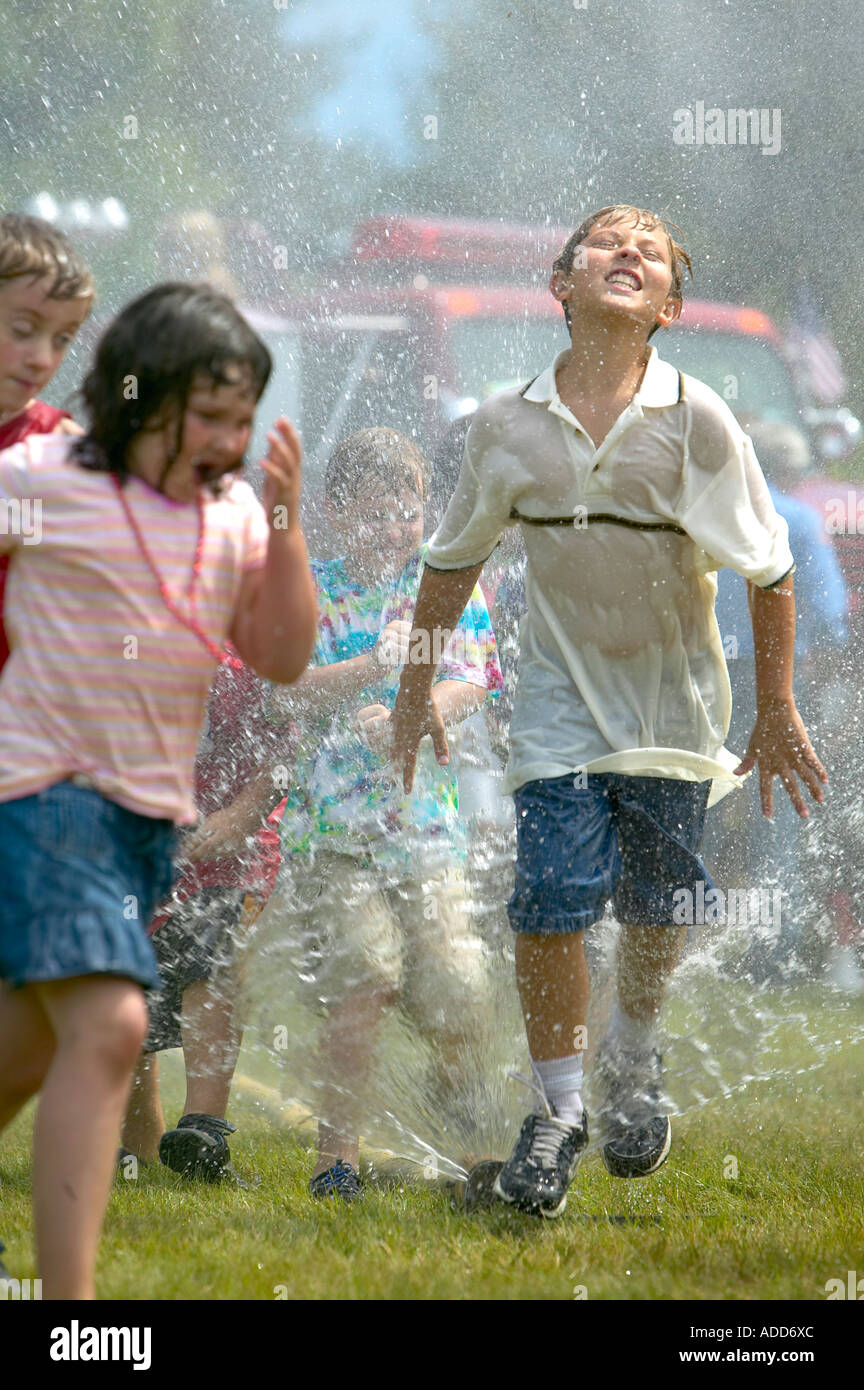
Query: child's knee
(113, 1032)
(129, 1030)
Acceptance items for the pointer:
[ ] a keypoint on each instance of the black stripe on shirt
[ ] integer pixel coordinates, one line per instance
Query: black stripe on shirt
(766, 587)
(577, 521)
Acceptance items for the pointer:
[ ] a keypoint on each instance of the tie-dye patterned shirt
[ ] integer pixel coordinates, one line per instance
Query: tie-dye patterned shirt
(345, 797)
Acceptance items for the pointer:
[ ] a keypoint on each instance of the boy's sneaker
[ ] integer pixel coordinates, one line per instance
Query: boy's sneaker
(339, 1181)
(4, 1273)
(543, 1163)
(197, 1148)
(638, 1132)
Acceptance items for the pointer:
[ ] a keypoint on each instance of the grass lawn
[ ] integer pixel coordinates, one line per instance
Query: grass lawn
(791, 1219)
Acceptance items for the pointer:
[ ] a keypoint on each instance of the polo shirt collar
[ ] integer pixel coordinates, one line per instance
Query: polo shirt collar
(659, 384)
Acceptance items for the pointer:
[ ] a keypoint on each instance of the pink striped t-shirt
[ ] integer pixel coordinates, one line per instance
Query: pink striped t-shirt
(102, 678)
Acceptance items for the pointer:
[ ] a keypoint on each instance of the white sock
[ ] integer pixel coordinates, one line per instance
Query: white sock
(561, 1080)
(631, 1034)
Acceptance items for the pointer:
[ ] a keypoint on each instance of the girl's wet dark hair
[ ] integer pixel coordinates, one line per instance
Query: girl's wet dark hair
(148, 361)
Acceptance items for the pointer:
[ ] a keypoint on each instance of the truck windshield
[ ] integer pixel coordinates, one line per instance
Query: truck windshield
(333, 378)
(491, 353)
(746, 372)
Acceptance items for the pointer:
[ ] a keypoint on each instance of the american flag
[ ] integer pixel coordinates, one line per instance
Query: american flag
(813, 352)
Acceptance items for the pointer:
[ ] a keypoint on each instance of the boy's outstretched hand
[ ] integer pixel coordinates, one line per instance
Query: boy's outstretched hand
(780, 745)
(282, 484)
(414, 715)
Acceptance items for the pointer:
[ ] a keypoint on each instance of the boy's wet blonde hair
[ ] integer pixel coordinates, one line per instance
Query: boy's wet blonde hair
(392, 457)
(640, 217)
(30, 246)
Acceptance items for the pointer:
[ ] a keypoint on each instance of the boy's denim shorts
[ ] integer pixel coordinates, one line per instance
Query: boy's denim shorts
(631, 839)
(81, 877)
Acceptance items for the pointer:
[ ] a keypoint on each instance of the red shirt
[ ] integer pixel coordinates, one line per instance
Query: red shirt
(38, 418)
(237, 740)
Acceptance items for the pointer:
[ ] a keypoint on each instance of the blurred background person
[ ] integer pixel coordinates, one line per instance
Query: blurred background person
(742, 844)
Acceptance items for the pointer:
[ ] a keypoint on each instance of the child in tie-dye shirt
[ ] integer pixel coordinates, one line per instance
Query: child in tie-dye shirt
(375, 876)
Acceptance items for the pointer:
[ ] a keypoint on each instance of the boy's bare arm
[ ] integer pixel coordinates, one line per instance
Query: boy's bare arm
(779, 742)
(322, 689)
(456, 700)
(440, 604)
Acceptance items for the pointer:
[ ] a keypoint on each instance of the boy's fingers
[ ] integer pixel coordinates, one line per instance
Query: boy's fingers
(795, 796)
(439, 743)
(408, 765)
(813, 781)
(766, 781)
(814, 764)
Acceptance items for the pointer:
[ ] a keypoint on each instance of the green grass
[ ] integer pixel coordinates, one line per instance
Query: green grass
(792, 1219)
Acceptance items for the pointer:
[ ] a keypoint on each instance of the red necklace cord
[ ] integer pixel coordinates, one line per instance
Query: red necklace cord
(189, 620)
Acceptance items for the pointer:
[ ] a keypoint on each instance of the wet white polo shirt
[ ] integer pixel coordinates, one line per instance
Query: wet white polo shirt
(622, 666)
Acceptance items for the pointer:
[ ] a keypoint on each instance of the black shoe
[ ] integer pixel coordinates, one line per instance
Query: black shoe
(478, 1189)
(4, 1273)
(197, 1148)
(339, 1181)
(543, 1163)
(638, 1132)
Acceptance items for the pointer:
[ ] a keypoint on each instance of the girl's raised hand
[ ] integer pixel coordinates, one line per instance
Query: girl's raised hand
(282, 484)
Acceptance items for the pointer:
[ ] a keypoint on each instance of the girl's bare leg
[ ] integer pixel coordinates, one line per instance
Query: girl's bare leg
(100, 1024)
(26, 1049)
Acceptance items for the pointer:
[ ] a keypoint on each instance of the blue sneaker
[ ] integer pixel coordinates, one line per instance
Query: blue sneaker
(339, 1181)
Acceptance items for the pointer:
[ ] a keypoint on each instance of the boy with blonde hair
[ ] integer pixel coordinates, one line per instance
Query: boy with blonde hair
(46, 293)
(632, 484)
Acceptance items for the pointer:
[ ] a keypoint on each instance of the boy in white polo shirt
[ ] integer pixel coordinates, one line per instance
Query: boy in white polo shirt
(632, 484)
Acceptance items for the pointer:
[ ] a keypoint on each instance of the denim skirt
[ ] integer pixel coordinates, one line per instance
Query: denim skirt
(80, 878)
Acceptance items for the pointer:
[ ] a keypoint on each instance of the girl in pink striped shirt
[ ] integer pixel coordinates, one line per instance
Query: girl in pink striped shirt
(135, 553)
